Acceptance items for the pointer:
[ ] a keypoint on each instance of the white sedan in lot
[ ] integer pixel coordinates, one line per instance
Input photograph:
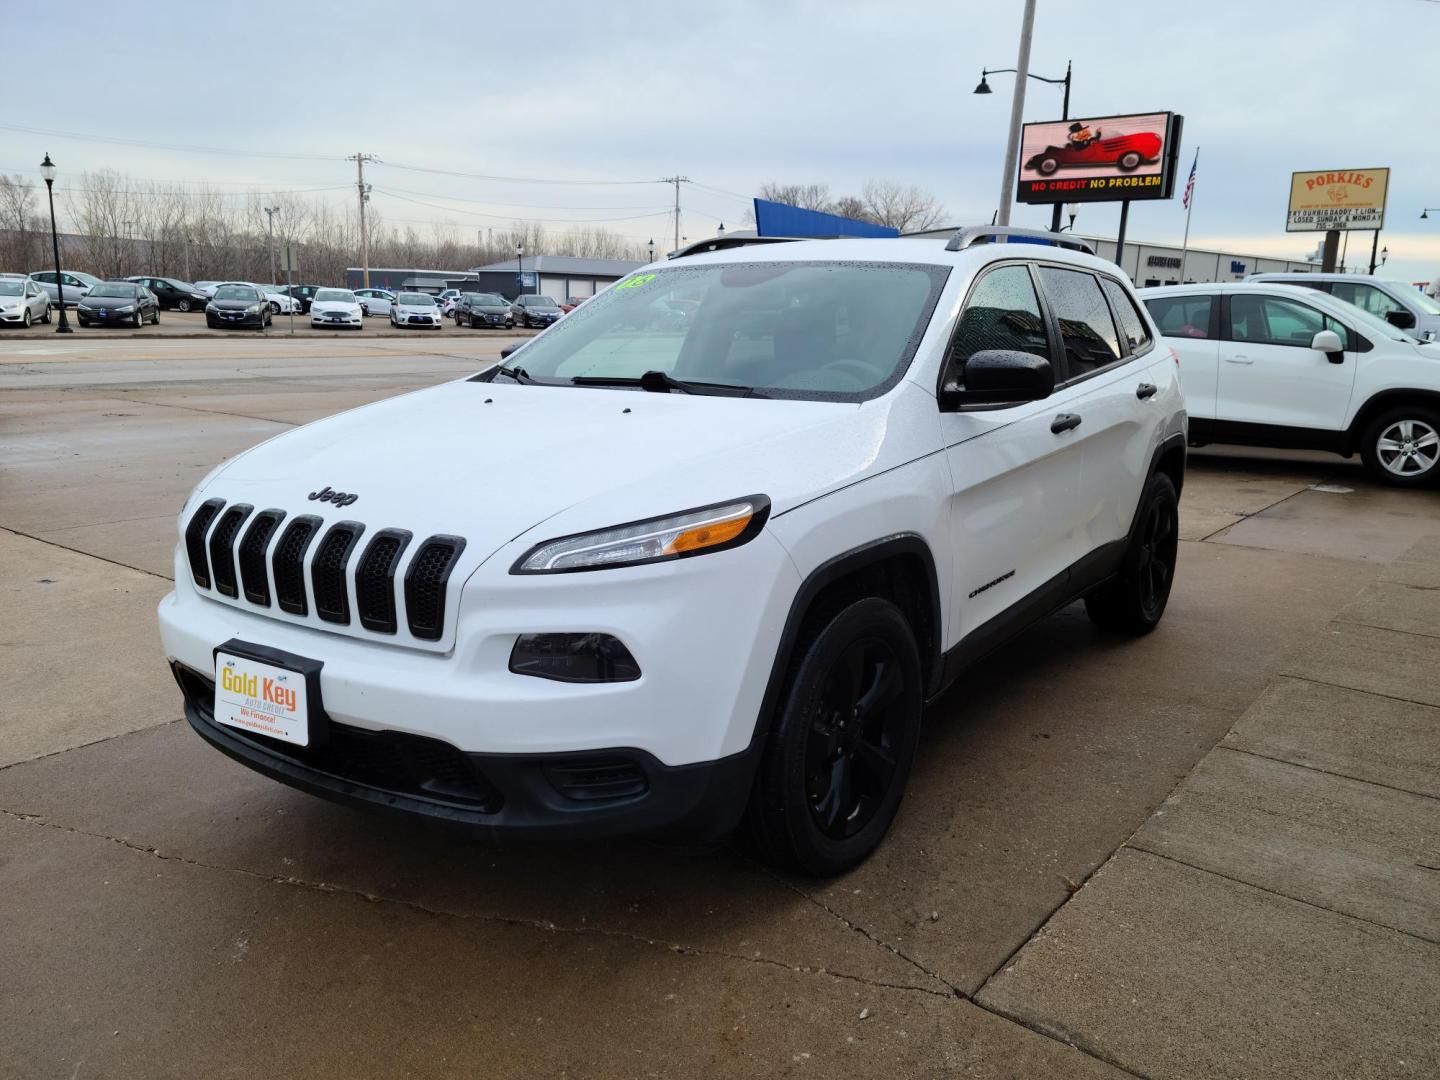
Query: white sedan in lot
(336, 308)
(375, 301)
(23, 301)
(415, 309)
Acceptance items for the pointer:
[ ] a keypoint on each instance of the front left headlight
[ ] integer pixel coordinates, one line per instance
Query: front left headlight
(126, 310)
(253, 309)
(677, 536)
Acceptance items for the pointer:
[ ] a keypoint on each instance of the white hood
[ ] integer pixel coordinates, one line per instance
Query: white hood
(348, 307)
(491, 461)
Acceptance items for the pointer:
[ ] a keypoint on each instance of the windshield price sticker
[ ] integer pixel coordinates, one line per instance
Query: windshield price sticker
(636, 281)
(262, 698)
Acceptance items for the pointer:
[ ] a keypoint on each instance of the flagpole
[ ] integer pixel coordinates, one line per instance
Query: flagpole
(1189, 209)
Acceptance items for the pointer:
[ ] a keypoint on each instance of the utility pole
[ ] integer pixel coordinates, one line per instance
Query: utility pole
(677, 181)
(364, 189)
(270, 212)
(1017, 113)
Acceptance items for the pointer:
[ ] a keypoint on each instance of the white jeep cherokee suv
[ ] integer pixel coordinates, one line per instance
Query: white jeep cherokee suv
(1269, 364)
(699, 552)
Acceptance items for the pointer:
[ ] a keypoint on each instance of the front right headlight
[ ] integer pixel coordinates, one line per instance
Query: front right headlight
(677, 536)
(253, 309)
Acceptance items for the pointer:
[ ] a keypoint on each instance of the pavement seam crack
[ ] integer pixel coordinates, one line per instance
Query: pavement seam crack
(1285, 896)
(1244, 517)
(1328, 772)
(1066, 1038)
(863, 932)
(1353, 689)
(87, 554)
(82, 746)
(1388, 629)
(543, 925)
(196, 408)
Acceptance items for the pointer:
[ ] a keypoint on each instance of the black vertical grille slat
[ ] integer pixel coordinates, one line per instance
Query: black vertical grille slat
(288, 563)
(425, 585)
(254, 580)
(195, 540)
(327, 571)
(375, 580)
(222, 548)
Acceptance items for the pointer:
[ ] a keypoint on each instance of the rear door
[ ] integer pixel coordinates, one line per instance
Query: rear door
(1190, 323)
(1014, 480)
(1269, 374)
(1107, 349)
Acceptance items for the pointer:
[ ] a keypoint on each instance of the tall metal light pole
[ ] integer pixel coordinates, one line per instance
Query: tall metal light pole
(652, 249)
(47, 170)
(984, 88)
(270, 212)
(677, 181)
(519, 268)
(1017, 112)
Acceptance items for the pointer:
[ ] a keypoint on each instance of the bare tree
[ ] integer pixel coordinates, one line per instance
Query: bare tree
(21, 227)
(907, 208)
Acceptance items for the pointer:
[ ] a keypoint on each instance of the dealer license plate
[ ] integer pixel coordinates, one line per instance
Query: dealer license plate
(262, 698)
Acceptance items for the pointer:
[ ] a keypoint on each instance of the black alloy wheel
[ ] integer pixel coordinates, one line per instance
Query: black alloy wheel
(1135, 599)
(840, 748)
(182, 305)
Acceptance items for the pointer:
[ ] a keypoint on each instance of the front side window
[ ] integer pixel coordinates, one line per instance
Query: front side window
(1132, 327)
(1366, 297)
(48, 275)
(1087, 331)
(1185, 316)
(1278, 320)
(1002, 312)
(838, 331)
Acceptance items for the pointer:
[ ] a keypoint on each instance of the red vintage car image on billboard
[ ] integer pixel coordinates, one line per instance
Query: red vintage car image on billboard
(1092, 159)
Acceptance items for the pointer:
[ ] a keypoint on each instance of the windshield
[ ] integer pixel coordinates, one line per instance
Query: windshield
(12, 288)
(1413, 295)
(416, 299)
(338, 296)
(112, 289)
(541, 302)
(817, 330)
(235, 292)
(487, 299)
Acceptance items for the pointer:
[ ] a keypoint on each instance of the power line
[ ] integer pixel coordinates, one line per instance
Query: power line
(177, 147)
(493, 202)
(513, 179)
(391, 192)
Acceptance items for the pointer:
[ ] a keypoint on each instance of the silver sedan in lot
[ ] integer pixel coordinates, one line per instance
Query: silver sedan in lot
(23, 301)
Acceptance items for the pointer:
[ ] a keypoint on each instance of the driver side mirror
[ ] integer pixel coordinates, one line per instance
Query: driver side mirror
(505, 352)
(1405, 320)
(999, 377)
(1327, 341)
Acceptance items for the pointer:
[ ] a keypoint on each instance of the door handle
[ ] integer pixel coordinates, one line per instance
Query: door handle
(1064, 422)
(1145, 390)
(1238, 358)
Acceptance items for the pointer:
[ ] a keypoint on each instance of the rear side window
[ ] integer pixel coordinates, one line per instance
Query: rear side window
(1133, 330)
(1002, 312)
(1087, 331)
(1182, 316)
(1278, 320)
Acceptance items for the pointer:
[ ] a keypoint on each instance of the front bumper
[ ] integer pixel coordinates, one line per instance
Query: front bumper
(14, 316)
(225, 319)
(620, 791)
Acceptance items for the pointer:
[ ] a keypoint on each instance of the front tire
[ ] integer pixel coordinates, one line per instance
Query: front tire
(1135, 600)
(1129, 161)
(837, 759)
(183, 305)
(139, 319)
(1402, 446)
(28, 319)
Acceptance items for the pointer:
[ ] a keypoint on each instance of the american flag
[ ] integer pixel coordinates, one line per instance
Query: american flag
(1190, 184)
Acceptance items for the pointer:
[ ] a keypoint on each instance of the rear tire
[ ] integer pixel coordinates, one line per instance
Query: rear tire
(1402, 446)
(1135, 600)
(839, 752)
(1129, 161)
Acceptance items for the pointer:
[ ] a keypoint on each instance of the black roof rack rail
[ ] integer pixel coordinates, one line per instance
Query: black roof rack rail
(986, 234)
(723, 243)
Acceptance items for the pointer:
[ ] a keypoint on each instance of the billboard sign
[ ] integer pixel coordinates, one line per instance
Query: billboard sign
(1100, 159)
(1341, 200)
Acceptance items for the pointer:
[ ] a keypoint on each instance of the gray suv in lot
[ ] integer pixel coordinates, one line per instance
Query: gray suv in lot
(77, 283)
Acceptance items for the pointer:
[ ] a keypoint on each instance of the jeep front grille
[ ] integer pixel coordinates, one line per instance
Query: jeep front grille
(217, 542)
(222, 548)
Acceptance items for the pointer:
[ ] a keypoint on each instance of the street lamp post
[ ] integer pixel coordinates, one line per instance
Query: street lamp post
(652, 249)
(984, 88)
(1424, 214)
(47, 170)
(519, 268)
(1384, 255)
(1071, 209)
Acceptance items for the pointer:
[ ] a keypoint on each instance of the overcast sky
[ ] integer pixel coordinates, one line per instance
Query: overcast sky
(732, 94)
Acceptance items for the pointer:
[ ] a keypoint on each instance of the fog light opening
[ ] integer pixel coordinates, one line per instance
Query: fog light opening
(574, 658)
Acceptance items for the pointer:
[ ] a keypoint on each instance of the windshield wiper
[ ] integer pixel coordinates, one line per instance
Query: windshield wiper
(660, 382)
(517, 373)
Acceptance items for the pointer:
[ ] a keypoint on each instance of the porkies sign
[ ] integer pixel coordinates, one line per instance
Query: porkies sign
(1341, 200)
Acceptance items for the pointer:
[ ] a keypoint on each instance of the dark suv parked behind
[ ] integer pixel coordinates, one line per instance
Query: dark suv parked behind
(173, 293)
(477, 310)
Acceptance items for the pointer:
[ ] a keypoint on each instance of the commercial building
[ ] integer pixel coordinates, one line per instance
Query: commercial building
(1160, 264)
(555, 276)
(409, 277)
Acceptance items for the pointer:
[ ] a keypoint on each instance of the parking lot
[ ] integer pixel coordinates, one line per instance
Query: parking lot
(1207, 852)
(192, 324)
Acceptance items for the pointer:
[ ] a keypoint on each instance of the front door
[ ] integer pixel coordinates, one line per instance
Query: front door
(1015, 481)
(1270, 375)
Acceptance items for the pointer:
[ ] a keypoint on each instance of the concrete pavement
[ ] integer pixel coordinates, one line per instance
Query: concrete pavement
(172, 913)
